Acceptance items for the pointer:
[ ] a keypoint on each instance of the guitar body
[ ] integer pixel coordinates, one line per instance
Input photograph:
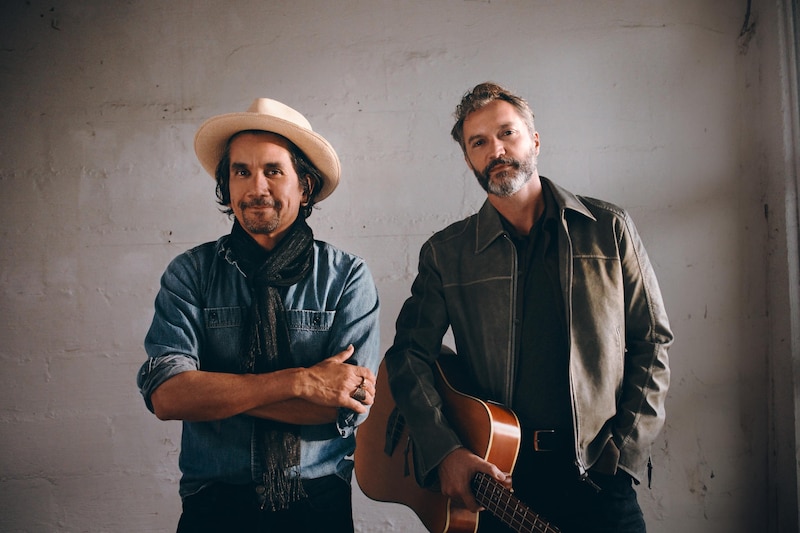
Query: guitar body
(489, 430)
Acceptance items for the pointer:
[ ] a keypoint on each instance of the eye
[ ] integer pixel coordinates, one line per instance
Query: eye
(509, 132)
(477, 143)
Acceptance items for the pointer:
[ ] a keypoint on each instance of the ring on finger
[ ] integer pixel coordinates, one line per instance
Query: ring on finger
(360, 394)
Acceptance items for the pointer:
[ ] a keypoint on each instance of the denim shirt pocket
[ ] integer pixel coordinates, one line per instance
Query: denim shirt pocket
(222, 317)
(309, 332)
(223, 329)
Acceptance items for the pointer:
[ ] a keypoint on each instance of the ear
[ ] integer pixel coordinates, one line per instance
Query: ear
(536, 142)
(308, 190)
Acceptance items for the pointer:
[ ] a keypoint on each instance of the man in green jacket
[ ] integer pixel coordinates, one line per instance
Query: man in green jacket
(556, 313)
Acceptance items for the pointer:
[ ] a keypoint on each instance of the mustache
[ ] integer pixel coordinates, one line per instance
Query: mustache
(260, 201)
(509, 161)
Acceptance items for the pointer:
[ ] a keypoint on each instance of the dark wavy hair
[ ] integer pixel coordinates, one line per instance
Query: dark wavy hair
(482, 95)
(301, 163)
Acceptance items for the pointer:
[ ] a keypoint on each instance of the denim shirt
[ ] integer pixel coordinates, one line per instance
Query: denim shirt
(197, 325)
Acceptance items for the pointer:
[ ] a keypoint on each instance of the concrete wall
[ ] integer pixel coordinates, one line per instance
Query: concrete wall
(662, 107)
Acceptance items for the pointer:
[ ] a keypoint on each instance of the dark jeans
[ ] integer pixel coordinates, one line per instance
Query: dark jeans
(550, 486)
(234, 508)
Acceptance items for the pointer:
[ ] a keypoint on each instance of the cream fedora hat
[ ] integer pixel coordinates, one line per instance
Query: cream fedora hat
(268, 115)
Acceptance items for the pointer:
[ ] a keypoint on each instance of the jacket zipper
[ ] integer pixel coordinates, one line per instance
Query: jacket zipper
(582, 471)
(512, 360)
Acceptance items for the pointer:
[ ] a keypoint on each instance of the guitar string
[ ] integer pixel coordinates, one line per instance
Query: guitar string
(518, 516)
(495, 496)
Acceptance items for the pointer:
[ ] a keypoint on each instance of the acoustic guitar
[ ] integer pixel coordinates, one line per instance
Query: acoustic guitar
(384, 463)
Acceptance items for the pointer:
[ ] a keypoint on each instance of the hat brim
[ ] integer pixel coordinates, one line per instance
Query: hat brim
(213, 135)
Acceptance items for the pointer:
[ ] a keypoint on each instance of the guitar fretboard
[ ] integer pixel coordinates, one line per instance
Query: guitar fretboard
(499, 501)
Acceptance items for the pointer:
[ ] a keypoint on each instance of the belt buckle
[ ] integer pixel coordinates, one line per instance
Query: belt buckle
(537, 447)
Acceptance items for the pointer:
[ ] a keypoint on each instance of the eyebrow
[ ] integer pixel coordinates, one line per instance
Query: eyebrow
(245, 166)
(501, 127)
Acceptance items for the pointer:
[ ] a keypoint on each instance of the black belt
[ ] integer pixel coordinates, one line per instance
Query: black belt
(548, 440)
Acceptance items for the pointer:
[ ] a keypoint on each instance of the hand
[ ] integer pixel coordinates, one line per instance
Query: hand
(333, 382)
(456, 472)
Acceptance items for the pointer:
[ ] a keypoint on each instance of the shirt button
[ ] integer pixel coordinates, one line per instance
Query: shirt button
(261, 489)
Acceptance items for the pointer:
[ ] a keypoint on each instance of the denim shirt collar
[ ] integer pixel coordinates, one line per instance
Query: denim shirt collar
(224, 250)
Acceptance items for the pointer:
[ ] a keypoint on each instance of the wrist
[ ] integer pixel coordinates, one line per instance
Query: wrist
(298, 382)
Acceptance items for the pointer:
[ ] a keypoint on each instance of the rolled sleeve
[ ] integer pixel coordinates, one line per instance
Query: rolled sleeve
(157, 370)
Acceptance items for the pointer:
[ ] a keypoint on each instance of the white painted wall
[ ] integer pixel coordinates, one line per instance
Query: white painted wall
(658, 106)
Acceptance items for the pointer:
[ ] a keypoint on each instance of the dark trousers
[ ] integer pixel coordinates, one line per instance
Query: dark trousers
(549, 485)
(234, 508)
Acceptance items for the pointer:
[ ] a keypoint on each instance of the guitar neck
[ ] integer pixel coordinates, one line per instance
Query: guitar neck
(500, 501)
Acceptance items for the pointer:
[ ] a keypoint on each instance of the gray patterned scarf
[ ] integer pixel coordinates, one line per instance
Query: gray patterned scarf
(266, 347)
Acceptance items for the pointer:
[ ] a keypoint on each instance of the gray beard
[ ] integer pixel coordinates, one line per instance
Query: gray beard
(507, 182)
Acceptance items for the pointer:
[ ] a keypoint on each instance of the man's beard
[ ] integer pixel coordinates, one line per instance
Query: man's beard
(258, 223)
(508, 181)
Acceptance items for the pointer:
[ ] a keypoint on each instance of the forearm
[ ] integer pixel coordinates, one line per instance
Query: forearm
(644, 391)
(413, 389)
(296, 411)
(203, 396)
(196, 395)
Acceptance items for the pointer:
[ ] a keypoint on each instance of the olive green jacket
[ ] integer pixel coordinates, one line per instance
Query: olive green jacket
(617, 328)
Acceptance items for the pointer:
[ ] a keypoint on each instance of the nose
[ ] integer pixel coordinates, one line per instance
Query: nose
(498, 149)
(261, 182)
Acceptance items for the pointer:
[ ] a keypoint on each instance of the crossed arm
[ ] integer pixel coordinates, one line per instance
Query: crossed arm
(295, 395)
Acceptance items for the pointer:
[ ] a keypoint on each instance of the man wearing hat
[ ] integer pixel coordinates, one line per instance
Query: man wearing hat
(265, 343)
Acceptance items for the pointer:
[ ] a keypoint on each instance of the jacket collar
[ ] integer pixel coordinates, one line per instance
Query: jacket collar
(490, 226)
(566, 200)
